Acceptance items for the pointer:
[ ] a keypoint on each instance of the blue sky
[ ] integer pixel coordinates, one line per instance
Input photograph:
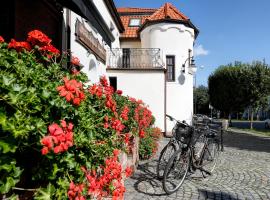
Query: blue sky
(230, 30)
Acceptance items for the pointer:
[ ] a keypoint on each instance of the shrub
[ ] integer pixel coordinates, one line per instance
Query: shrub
(58, 135)
(149, 144)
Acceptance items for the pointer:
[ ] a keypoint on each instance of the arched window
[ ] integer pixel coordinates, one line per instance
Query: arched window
(92, 65)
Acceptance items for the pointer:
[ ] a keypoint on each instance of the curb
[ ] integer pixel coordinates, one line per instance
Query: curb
(245, 132)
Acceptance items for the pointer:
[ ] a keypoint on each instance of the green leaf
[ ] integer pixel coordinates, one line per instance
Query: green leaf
(7, 80)
(5, 188)
(7, 147)
(45, 193)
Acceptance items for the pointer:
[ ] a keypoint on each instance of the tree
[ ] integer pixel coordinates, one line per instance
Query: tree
(257, 87)
(201, 100)
(225, 88)
(235, 87)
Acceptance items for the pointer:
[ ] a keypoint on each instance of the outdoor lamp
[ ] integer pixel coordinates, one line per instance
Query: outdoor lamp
(191, 65)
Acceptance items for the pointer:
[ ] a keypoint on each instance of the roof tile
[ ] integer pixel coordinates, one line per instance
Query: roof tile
(167, 11)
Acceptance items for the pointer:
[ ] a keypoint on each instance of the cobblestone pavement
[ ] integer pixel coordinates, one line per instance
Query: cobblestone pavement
(243, 172)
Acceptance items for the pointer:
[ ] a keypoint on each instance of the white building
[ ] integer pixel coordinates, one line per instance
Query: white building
(87, 28)
(154, 62)
(147, 53)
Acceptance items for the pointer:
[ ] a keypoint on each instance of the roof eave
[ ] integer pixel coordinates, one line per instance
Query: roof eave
(186, 22)
(115, 15)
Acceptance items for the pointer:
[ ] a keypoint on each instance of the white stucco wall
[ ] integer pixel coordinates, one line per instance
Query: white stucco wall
(92, 66)
(145, 85)
(174, 39)
(130, 44)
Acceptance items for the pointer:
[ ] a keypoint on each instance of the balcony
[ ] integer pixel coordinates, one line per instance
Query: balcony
(135, 58)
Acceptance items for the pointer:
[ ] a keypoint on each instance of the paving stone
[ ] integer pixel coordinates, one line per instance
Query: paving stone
(242, 172)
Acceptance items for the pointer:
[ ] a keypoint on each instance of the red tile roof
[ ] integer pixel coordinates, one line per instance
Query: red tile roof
(167, 11)
(136, 10)
(131, 32)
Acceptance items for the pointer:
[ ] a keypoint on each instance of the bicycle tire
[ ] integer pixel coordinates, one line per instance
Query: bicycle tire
(210, 155)
(171, 177)
(165, 154)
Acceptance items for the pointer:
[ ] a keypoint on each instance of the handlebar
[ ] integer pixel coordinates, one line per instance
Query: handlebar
(173, 119)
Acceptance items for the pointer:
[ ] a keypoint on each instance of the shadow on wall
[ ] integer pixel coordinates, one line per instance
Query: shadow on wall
(247, 142)
(181, 78)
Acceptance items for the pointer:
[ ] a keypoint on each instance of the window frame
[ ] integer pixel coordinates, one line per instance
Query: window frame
(172, 72)
(129, 23)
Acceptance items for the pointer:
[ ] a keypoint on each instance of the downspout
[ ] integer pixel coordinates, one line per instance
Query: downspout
(68, 34)
(165, 102)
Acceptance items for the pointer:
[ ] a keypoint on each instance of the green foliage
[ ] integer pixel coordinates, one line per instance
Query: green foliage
(234, 87)
(201, 99)
(30, 102)
(149, 144)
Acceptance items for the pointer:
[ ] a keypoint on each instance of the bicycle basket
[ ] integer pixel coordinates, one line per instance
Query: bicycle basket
(182, 133)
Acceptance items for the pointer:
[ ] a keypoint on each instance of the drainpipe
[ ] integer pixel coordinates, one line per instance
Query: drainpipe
(165, 102)
(68, 36)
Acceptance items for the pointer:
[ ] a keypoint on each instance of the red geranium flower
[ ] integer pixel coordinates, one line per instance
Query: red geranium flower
(75, 60)
(1, 39)
(36, 37)
(18, 46)
(120, 92)
(49, 51)
(128, 171)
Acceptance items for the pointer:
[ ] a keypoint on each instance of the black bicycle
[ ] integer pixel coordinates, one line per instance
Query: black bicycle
(170, 148)
(199, 150)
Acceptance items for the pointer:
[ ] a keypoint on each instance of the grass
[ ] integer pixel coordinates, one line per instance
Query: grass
(264, 132)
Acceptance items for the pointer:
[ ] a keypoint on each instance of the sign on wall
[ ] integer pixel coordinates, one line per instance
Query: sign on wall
(87, 39)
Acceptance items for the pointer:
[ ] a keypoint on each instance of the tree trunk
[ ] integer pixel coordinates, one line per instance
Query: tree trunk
(251, 118)
(230, 120)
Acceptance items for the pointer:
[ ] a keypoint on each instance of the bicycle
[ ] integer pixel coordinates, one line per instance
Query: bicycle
(169, 149)
(189, 157)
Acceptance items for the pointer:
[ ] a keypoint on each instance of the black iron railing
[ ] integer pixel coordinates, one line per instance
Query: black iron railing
(134, 58)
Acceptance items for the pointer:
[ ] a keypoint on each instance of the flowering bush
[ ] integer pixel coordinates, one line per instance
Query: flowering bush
(58, 136)
(149, 144)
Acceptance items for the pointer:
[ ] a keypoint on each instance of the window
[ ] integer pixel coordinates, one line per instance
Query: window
(134, 22)
(170, 62)
(113, 82)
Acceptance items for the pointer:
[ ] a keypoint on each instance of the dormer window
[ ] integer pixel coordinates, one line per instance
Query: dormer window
(134, 22)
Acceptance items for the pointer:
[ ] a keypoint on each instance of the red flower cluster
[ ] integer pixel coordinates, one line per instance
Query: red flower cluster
(75, 191)
(40, 39)
(59, 140)
(124, 114)
(1, 39)
(143, 116)
(128, 171)
(18, 46)
(96, 90)
(119, 92)
(117, 125)
(100, 186)
(72, 90)
(110, 103)
(36, 37)
(102, 88)
(75, 60)
(49, 51)
(104, 81)
(141, 133)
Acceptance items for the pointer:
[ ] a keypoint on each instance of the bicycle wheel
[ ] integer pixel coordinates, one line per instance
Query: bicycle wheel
(176, 171)
(210, 155)
(164, 157)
